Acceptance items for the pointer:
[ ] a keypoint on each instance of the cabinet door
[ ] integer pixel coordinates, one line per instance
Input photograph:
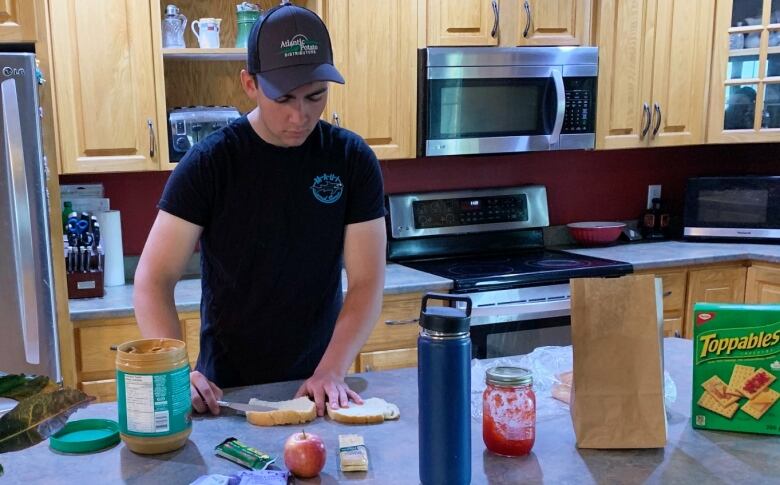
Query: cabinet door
(377, 58)
(191, 333)
(95, 358)
(462, 22)
(17, 21)
(397, 326)
(714, 285)
(554, 22)
(745, 82)
(681, 61)
(387, 359)
(763, 284)
(104, 81)
(625, 43)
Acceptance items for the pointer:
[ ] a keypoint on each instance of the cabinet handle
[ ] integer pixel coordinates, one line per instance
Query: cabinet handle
(656, 109)
(368, 368)
(402, 322)
(667, 293)
(527, 18)
(493, 32)
(646, 114)
(152, 139)
(336, 120)
(677, 334)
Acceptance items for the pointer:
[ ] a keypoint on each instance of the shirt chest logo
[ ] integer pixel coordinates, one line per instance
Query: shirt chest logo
(327, 188)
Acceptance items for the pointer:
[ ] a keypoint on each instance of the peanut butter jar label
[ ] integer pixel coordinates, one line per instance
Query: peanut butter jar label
(156, 404)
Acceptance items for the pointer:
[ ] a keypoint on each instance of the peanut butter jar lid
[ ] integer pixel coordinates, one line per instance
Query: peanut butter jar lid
(86, 436)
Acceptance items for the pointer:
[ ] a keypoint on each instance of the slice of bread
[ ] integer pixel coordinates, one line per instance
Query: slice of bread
(295, 411)
(373, 410)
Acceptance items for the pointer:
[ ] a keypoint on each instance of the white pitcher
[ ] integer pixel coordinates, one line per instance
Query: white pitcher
(207, 33)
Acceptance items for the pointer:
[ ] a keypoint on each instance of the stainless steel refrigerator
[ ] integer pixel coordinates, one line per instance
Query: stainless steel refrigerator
(28, 329)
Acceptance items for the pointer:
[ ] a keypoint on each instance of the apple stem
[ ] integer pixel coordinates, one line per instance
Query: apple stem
(303, 432)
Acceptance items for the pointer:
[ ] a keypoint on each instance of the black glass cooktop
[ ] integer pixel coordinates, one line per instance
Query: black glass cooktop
(530, 268)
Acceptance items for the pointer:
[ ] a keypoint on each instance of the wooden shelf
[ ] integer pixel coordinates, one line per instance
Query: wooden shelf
(197, 54)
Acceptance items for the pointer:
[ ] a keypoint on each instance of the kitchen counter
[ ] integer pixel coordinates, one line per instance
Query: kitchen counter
(690, 456)
(118, 300)
(652, 255)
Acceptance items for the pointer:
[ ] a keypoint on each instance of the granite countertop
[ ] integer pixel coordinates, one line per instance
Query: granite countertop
(676, 253)
(118, 300)
(690, 456)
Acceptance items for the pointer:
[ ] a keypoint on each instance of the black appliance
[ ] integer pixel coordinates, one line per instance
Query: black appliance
(489, 242)
(733, 208)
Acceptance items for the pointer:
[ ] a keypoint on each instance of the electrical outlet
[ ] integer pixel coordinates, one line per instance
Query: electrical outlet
(653, 192)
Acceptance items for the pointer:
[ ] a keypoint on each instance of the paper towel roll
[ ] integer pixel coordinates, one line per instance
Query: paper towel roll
(111, 240)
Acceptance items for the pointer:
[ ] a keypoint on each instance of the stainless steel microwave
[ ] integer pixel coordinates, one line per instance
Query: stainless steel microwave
(475, 100)
(738, 208)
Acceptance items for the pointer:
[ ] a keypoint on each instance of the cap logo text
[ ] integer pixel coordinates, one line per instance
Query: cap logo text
(299, 45)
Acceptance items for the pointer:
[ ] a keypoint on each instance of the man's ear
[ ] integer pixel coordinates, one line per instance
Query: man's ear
(249, 83)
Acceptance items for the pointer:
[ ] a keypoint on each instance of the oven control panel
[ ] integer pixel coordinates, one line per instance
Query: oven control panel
(455, 212)
(469, 210)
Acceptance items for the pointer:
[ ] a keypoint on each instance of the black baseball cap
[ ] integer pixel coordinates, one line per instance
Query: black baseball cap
(288, 47)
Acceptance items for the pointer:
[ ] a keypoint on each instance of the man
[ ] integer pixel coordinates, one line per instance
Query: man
(278, 200)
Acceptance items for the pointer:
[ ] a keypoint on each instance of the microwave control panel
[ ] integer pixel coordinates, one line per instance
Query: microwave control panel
(580, 106)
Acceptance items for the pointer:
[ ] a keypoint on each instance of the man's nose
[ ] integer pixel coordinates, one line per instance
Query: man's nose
(297, 112)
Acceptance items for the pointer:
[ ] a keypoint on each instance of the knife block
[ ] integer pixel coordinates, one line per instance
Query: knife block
(85, 285)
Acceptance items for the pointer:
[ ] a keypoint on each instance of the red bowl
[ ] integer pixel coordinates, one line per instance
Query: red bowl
(595, 233)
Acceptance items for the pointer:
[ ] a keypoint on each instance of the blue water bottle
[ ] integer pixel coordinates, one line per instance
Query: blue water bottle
(444, 388)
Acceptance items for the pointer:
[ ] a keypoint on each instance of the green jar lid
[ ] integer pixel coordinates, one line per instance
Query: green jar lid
(508, 376)
(85, 436)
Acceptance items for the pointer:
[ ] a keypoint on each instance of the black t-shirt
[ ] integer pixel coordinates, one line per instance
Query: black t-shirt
(273, 223)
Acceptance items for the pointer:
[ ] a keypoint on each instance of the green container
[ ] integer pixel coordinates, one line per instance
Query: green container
(736, 365)
(246, 19)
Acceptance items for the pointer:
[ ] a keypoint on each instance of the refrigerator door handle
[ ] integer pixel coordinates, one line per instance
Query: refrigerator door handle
(21, 237)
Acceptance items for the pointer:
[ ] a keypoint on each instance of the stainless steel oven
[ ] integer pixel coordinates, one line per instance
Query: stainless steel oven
(489, 242)
(506, 99)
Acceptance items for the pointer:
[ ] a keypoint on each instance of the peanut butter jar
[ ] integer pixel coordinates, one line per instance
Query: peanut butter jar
(153, 395)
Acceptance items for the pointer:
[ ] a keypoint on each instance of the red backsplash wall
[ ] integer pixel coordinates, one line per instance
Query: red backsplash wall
(581, 185)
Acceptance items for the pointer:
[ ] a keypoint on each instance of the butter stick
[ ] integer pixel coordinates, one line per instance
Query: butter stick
(353, 454)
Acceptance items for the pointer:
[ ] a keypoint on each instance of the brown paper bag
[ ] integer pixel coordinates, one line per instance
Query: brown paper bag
(617, 397)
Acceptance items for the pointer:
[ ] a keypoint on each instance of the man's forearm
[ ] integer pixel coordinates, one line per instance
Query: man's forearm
(356, 320)
(155, 310)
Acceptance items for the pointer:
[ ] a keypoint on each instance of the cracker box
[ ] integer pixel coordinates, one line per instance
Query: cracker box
(736, 364)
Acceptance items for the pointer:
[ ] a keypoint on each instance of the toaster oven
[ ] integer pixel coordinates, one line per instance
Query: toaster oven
(187, 126)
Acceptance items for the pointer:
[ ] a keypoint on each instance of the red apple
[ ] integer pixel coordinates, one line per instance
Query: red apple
(304, 454)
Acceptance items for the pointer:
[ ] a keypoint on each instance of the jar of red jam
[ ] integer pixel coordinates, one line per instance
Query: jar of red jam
(509, 411)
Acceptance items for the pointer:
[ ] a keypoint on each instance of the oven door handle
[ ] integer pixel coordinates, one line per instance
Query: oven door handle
(520, 311)
(560, 110)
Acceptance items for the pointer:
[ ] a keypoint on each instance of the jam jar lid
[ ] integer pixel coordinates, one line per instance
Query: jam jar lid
(508, 376)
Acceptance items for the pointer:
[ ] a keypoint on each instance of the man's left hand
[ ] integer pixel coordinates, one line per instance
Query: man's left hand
(328, 387)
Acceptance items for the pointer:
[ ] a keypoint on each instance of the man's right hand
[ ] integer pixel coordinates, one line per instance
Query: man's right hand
(204, 393)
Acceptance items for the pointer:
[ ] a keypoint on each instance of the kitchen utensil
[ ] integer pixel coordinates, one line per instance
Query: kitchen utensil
(595, 233)
(207, 32)
(173, 26)
(246, 15)
(243, 407)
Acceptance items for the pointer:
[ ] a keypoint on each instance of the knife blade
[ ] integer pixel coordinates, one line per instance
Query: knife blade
(243, 407)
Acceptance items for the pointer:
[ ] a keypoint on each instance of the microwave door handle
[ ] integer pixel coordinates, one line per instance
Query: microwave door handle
(560, 110)
(21, 231)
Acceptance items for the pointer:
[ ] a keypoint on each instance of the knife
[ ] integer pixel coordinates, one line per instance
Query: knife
(243, 407)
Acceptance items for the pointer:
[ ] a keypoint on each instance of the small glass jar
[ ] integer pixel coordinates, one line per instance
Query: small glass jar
(509, 411)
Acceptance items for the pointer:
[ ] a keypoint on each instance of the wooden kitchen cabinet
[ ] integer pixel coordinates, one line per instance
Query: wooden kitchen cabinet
(551, 22)
(763, 283)
(17, 21)
(745, 80)
(462, 22)
(95, 360)
(508, 23)
(673, 283)
(714, 284)
(393, 342)
(378, 60)
(107, 74)
(654, 58)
